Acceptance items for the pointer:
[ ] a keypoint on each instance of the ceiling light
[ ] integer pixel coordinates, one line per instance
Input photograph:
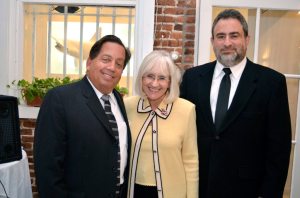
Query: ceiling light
(71, 9)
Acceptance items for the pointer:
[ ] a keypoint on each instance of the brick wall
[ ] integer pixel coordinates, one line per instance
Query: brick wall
(174, 31)
(27, 134)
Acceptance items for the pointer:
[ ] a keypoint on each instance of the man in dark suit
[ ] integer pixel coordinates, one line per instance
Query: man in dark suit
(247, 154)
(75, 151)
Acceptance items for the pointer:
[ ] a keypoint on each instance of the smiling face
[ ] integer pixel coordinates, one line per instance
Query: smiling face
(105, 70)
(229, 42)
(155, 85)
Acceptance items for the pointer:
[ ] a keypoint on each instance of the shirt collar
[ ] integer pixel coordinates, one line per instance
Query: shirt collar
(236, 70)
(162, 111)
(99, 94)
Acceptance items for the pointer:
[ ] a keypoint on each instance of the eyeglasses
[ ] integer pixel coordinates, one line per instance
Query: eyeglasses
(152, 78)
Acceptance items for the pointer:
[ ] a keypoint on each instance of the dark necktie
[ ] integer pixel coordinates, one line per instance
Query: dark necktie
(223, 98)
(114, 127)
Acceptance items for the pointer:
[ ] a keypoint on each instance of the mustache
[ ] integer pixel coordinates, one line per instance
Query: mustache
(227, 48)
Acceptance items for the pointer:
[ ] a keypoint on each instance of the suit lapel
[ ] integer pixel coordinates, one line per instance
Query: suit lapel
(204, 85)
(245, 89)
(94, 104)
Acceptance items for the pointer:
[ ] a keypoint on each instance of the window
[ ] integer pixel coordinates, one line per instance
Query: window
(44, 32)
(58, 38)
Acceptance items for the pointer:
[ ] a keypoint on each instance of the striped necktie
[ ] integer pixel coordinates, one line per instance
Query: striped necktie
(114, 127)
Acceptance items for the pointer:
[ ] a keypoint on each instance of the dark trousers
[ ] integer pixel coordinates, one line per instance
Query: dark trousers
(123, 191)
(141, 191)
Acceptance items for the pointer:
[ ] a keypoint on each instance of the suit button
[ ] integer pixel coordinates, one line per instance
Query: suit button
(217, 137)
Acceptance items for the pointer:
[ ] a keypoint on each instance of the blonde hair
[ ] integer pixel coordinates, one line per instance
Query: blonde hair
(163, 60)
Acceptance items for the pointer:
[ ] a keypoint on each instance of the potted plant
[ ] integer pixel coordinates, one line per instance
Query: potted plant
(33, 92)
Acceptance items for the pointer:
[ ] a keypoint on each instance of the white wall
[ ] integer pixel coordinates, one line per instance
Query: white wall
(4, 39)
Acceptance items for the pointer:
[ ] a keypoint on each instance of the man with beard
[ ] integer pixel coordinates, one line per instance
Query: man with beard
(244, 129)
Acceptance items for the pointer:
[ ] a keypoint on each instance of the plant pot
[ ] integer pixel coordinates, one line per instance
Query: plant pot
(36, 102)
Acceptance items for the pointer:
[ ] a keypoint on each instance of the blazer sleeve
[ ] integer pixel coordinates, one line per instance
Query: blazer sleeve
(278, 142)
(50, 148)
(190, 155)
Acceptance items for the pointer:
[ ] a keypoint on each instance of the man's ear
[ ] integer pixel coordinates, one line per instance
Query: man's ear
(247, 40)
(88, 63)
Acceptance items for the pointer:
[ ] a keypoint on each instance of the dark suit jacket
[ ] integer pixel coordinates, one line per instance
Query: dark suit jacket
(74, 150)
(249, 156)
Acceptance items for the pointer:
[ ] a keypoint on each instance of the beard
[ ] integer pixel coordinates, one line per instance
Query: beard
(229, 60)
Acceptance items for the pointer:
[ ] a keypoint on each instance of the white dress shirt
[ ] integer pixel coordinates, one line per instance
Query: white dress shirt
(122, 128)
(235, 76)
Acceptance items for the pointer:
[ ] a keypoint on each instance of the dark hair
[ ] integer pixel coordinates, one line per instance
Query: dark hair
(96, 48)
(230, 13)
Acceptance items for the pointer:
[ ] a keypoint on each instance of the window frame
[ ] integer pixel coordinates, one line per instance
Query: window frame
(144, 30)
(11, 44)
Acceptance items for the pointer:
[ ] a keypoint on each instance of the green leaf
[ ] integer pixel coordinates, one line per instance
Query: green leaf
(38, 87)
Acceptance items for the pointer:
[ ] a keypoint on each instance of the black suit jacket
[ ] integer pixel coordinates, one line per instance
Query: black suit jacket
(75, 151)
(249, 156)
